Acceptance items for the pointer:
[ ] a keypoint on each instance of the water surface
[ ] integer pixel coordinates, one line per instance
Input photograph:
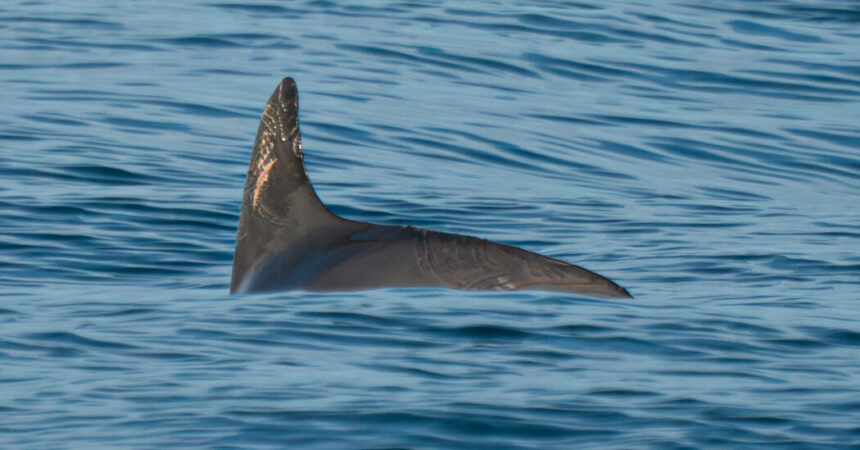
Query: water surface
(706, 157)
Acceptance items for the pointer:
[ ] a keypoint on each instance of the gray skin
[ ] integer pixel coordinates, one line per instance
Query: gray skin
(287, 239)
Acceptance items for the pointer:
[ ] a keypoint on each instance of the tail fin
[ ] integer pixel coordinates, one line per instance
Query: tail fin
(279, 201)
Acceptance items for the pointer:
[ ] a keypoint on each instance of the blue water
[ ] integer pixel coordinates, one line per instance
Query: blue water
(705, 155)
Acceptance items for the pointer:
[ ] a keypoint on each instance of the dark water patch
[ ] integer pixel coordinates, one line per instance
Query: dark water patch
(750, 46)
(72, 95)
(347, 134)
(27, 240)
(145, 126)
(587, 70)
(795, 345)
(365, 11)
(74, 22)
(199, 109)
(758, 29)
(851, 165)
(482, 332)
(487, 63)
(128, 312)
(53, 44)
(122, 272)
(623, 393)
(69, 338)
(417, 372)
(548, 356)
(834, 336)
(56, 119)
(18, 137)
(642, 121)
(518, 156)
(797, 265)
(473, 428)
(823, 80)
(356, 339)
(77, 66)
(849, 69)
(745, 416)
(231, 72)
(625, 344)
(581, 329)
(823, 170)
(147, 210)
(46, 211)
(458, 153)
(680, 402)
(732, 194)
(699, 223)
(653, 17)
(248, 37)
(100, 174)
(363, 79)
(434, 58)
(337, 318)
(722, 82)
(30, 350)
(545, 21)
(735, 361)
(528, 24)
(207, 333)
(205, 41)
(266, 9)
(711, 209)
(570, 119)
(852, 142)
(713, 154)
(738, 11)
(746, 132)
(703, 375)
(660, 38)
(378, 51)
(722, 346)
(739, 326)
(823, 13)
(93, 65)
(350, 98)
(171, 356)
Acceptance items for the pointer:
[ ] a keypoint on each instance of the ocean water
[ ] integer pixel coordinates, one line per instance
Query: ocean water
(705, 155)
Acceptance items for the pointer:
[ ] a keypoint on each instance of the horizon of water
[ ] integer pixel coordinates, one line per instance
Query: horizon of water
(706, 157)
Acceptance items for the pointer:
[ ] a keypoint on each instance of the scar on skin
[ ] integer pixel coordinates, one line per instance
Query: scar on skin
(261, 180)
